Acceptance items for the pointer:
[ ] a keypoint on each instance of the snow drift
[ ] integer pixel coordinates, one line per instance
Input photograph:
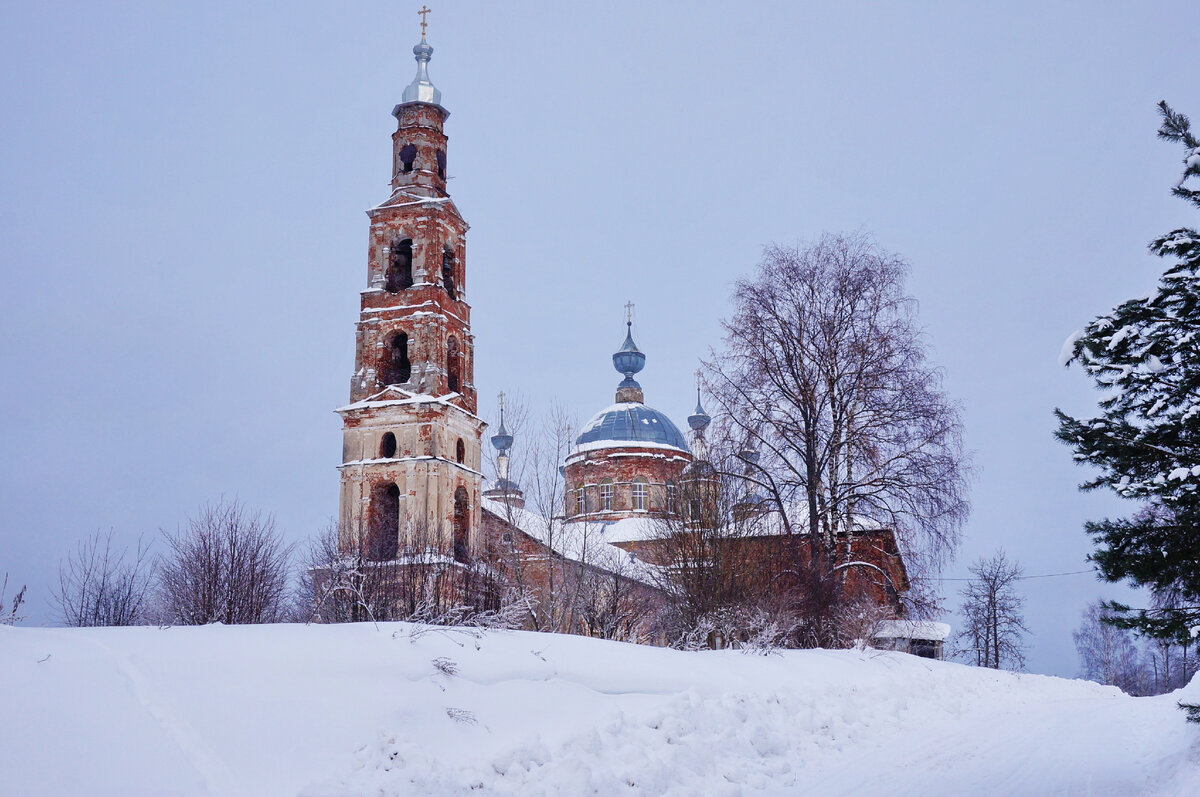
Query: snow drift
(325, 711)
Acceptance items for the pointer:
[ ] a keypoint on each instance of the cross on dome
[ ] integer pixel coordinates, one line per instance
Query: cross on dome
(424, 10)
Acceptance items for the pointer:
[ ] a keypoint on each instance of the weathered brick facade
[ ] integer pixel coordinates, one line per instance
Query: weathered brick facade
(621, 470)
(411, 453)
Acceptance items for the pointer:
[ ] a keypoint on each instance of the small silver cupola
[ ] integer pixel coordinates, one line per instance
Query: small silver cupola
(422, 89)
(504, 489)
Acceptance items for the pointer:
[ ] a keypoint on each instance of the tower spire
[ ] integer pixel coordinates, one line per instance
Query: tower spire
(422, 89)
(628, 360)
(699, 421)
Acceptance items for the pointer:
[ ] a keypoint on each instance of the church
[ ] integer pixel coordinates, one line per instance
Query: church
(413, 489)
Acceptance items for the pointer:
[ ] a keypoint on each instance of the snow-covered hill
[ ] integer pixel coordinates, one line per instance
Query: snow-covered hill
(360, 710)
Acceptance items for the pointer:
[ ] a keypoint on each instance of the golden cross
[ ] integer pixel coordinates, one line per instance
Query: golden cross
(424, 10)
(628, 312)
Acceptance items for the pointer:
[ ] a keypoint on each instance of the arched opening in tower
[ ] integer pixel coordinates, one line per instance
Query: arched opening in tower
(460, 451)
(400, 273)
(383, 540)
(441, 164)
(396, 367)
(452, 364)
(408, 154)
(462, 525)
(448, 273)
(387, 448)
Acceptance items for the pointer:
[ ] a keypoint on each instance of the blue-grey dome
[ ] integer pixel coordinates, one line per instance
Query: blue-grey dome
(699, 420)
(502, 440)
(629, 424)
(628, 360)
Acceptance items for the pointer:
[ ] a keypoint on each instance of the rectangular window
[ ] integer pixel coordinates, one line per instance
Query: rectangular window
(639, 496)
(670, 498)
(606, 494)
(581, 502)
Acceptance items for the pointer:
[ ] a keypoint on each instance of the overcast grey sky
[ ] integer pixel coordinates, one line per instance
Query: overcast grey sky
(181, 207)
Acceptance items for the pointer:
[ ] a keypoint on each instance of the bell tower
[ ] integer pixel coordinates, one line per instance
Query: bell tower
(410, 472)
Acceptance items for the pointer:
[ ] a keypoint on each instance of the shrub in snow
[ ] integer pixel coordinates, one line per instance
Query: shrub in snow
(9, 616)
(227, 565)
(99, 585)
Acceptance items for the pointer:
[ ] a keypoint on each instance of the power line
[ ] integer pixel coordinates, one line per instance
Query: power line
(1026, 578)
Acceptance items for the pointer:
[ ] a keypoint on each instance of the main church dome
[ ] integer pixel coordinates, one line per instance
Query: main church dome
(629, 424)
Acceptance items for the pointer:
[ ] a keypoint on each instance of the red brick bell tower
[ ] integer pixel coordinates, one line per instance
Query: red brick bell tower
(410, 472)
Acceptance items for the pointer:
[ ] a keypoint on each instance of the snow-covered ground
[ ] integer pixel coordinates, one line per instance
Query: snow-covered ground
(359, 710)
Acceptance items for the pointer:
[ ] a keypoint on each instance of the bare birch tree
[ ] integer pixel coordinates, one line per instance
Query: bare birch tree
(1114, 655)
(992, 609)
(99, 585)
(824, 374)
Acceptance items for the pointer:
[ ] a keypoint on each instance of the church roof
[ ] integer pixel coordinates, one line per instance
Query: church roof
(629, 424)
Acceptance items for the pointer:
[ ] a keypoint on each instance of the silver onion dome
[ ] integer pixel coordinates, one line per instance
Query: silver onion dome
(502, 441)
(422, 89)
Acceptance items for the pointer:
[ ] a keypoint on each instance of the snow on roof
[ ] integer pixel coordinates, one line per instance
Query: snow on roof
(911, 629)
(379, 460)
(588, 543)
(597, 445)
(403, 397)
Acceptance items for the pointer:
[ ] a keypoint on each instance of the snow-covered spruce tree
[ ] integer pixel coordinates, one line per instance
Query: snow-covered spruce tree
(1145, 355)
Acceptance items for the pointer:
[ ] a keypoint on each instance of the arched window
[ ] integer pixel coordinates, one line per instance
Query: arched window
(383, 540)
(581, 502)
(448, 273)
(441, 164)
(460, 451)
(640, 494)
(399, 272)
(672, 499)
(387, 447)
(606, 495)
(452, 364)
(408, 154)
(396, 367)
(462, 525)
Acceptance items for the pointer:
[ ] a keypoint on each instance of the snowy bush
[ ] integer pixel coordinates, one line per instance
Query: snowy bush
(8, 615)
